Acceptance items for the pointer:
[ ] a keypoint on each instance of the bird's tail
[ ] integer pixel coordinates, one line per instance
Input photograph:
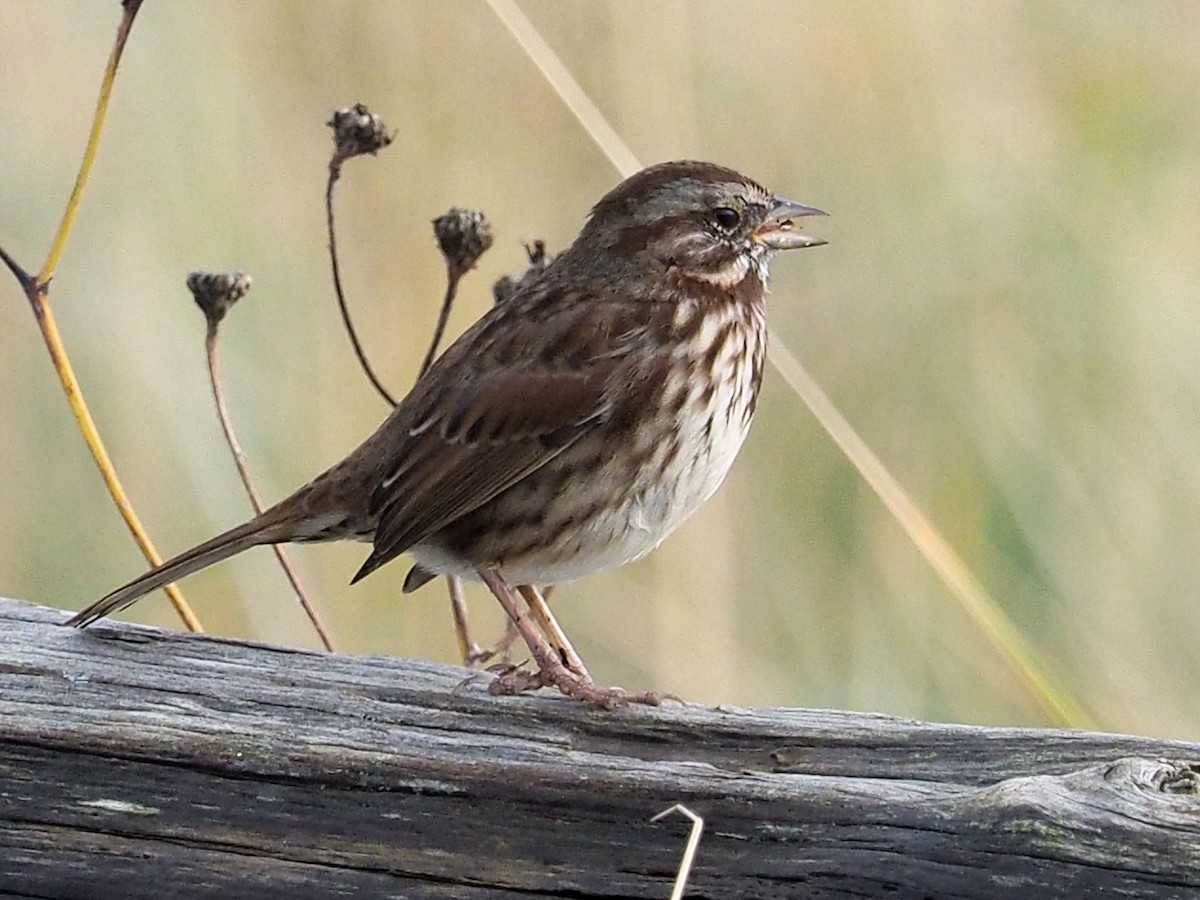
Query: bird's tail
(264, 529)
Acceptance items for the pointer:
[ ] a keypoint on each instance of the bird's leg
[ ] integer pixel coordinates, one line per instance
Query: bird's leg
(548, 661)
(552, 672)
(540, 611)
(470, 652)
(535, 599)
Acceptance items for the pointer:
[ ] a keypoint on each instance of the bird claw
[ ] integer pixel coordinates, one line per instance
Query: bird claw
(477, 656)
(517, 681)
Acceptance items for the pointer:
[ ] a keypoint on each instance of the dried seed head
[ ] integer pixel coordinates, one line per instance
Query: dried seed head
(463, 235)
(537, 255)
(507, 285)
(216, 292)
(357, 130)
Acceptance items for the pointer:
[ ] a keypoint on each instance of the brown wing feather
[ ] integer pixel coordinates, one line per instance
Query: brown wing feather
(478, 449)
(469, 439)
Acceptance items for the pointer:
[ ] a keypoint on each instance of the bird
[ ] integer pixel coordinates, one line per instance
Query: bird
(569, 430)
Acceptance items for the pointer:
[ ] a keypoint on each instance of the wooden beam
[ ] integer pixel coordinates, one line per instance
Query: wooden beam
(143, 763)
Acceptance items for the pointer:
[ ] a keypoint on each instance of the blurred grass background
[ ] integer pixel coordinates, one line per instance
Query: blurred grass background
(1008, 311)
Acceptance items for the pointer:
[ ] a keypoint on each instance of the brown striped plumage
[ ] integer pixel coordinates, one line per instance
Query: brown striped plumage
(576, 425)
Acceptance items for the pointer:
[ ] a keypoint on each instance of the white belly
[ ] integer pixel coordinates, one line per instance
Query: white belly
(679, 465)
(673, 483)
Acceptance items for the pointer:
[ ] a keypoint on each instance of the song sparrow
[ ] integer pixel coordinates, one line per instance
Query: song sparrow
(570, 429)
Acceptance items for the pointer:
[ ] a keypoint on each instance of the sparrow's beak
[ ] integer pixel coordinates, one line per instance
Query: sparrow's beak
(777, 230)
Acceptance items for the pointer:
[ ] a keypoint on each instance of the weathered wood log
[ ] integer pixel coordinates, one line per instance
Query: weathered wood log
(143, 763)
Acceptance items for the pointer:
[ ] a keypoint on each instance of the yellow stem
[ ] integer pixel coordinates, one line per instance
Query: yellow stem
(89, 154)
(40, 301)
(87, 426)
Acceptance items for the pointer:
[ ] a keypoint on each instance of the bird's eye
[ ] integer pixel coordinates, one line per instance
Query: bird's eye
(726, 218)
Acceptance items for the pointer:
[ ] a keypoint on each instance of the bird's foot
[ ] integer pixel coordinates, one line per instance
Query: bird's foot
(558, 665)
(478, 657)
(500, 652)
(609, 697)
(517, 680)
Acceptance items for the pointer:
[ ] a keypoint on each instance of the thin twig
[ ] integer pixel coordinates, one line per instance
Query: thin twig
(37, 291)
(334, 171)
(443, 316)
(129, 13)
(356, 131)
(502, 292)
(215, 293)
(563, 83)
(1056, 701)
(689, 852)
(463, 235)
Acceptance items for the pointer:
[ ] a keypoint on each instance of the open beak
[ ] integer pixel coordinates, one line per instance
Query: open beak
(777, 230)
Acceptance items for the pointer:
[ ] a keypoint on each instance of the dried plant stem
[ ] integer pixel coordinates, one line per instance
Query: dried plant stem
(469, 651)
(239, 459)
(1054, 698)
(358, 131)
(335, 171)
(563, 83)
(91, 436)
(689, 851)
(37, 291)
(129, 13)
(1056, 701)
(463, 235)
(452, 279)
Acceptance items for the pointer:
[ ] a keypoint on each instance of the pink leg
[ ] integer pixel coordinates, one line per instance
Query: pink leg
(552, 671)
(470, 651)
(540, 611)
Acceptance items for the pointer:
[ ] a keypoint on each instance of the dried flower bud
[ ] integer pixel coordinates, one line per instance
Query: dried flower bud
(507, 285)
(357, 130)
(463, 235)
(537, 255)
(216, 292)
